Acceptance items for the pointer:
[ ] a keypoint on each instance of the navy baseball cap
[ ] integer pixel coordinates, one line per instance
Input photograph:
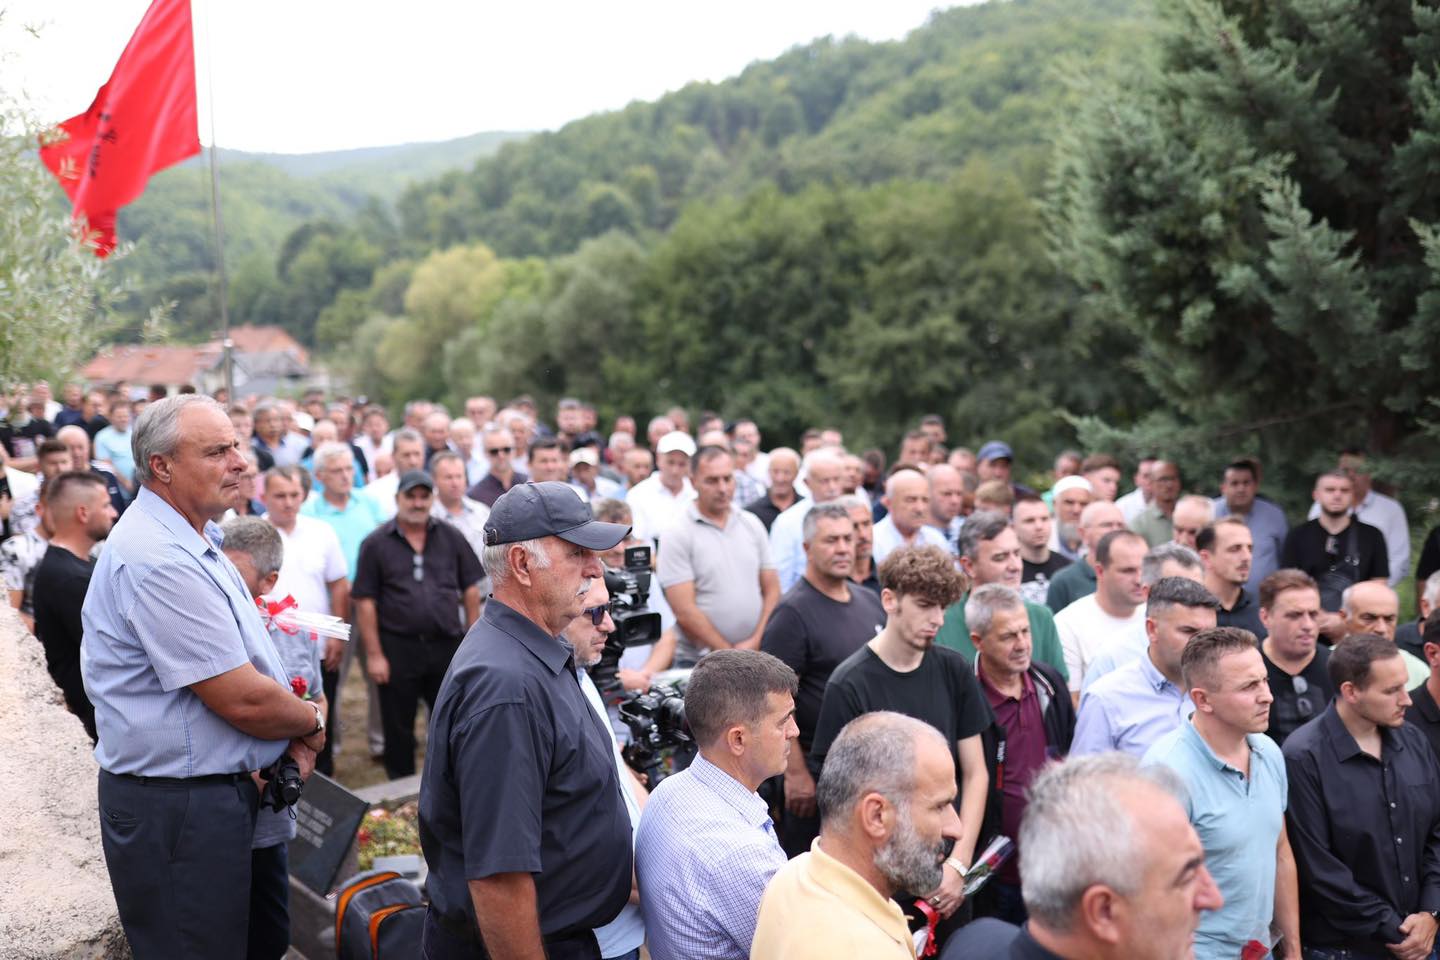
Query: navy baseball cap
(995, 450)
(550, 508)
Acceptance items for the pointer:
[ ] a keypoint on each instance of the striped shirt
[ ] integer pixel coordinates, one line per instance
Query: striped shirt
(167, 609)
(704, 852)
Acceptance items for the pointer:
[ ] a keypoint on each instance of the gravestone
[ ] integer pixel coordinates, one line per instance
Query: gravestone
(326, 819)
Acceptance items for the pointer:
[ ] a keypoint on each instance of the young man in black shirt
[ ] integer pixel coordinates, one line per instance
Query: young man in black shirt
(817, 625)
(1335, 548)
(1033, 523)
(902, 670)
(80, 511)
(1296, 663)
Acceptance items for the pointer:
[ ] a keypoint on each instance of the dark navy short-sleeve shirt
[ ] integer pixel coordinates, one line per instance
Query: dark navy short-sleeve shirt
(520, 777)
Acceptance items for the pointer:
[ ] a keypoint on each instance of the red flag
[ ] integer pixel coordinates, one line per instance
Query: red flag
(142, 121)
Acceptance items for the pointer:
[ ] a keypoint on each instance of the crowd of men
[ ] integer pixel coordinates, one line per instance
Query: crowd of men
(889, 661)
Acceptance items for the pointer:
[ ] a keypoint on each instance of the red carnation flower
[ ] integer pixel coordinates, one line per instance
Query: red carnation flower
(299, 686)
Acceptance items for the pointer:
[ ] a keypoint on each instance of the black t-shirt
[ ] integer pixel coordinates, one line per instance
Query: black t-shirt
(766, 510)
(61, 580)
(1292, 709)
(387, 569)
(942, 691)
(1035, 578)
(814, 634)
(1336, 560)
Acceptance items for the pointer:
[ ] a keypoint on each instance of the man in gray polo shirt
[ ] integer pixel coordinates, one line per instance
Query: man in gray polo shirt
(715, 566)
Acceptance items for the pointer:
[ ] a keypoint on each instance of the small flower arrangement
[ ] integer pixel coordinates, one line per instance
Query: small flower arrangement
(387, 833)
(301, 688)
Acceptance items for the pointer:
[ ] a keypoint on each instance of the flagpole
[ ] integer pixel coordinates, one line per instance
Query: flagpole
(227, 348)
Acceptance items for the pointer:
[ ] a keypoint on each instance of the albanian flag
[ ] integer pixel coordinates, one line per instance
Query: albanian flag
(142, 121)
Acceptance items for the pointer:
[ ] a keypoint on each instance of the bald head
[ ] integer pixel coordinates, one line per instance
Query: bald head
(1370, 607)
(907, 496)
(78, 441)
(1097, 519)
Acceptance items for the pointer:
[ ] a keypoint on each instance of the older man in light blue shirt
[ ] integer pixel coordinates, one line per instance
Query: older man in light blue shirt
(706, 847)
(188, 693)
(1134, 705)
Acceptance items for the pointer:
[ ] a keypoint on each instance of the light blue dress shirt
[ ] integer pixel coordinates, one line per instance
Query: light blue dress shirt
(1268, 528)
(166, 609)
(1128, 709)
(888, 539)
(787, 543)
(704, 853)
(352, 525)
(300, 652)
(1239, 820)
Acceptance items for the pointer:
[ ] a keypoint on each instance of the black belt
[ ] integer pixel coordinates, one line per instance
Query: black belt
(464, 928)
(206, 780)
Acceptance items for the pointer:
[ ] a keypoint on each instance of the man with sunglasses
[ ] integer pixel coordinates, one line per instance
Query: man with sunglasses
(1296, 665)
(412, 573)
(500, 451)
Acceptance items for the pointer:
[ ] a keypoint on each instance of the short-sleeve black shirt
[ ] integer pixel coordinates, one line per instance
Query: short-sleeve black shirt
(1245, 615)
(1286, 713)
(1310, 547)
(385, 572)
(61, 580)
(520, 778)
(942, 691)
(814, 634)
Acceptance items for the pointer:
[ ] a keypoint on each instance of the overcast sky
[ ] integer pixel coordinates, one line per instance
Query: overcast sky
(307, 75)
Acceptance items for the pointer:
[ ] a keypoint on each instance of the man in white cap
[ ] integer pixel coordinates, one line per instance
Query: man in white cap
(1069, 497)
(659, 501)
(585, 475)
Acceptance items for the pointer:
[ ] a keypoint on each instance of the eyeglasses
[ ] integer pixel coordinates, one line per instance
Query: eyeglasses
(493, 451)
(596, 614)
(419, 567)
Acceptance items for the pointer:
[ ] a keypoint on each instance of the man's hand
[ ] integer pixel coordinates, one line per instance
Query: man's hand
(751, 642)
(6, 504)
(1419, 930)
(334, 650)
(1332, 626)
(947, 897)
(799, 792)
(634, 679)
(378, 667)
(304, 756)
(1288, 949)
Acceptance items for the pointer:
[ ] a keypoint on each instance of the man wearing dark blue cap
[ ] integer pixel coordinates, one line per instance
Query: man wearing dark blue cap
(522, 820)
(994, 461)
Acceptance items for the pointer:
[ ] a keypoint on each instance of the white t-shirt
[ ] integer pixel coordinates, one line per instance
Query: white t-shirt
(313, 560)
(655, 508)
(1086, 631)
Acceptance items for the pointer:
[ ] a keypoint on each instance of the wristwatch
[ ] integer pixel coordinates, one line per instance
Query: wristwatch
(319, 720)
(957, 866)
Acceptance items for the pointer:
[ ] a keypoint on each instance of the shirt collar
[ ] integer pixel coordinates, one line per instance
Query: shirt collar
(995, 695)
(1344, 744)
(1154, 679)
(693, 512)
(1426, 704)
(745, 801)
(1189, 733)
(855, 891)
(158, 509)
(555, 653)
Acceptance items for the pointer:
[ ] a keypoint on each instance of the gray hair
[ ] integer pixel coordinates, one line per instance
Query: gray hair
(1204, 503)
(850, 501)
(495, 559)
(822, 511)
(333, 450)
(1170, 592)
(407, 435)
(1431, 593)
(874, 753)
(157, 430)
(981, 525)
(1157, 557)
(986, 601)
(1078, 832)
(255, 537)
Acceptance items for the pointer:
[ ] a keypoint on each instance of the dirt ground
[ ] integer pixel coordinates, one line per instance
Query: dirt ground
(353, 765)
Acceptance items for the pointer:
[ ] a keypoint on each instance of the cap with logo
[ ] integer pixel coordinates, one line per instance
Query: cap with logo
(550, 508)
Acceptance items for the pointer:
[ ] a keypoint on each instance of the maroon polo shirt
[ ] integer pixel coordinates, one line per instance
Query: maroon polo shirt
(1024, 727)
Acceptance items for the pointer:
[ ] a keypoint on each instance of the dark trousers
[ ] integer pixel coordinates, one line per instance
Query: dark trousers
(443, 940)
(178, 853)
(269, 903)
(330, 683)
(417, 665)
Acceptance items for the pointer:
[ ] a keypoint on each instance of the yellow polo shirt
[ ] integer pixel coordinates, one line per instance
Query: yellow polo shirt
(815, 906)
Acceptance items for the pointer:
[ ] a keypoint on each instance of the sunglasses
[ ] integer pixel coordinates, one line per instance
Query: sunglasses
(1302, 705)
(419, 568)
(498, 450)
(596, 614)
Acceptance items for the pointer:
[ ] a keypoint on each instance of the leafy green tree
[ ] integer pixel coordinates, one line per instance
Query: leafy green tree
(1252, 201)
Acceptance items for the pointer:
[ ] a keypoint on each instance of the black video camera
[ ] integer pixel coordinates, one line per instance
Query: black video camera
(635, 623)
(660, 741)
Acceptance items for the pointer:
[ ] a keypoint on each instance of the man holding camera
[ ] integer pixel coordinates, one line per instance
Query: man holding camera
(528, 864)
(189, 693)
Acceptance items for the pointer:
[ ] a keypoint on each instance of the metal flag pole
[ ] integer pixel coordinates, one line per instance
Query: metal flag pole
(226, 345)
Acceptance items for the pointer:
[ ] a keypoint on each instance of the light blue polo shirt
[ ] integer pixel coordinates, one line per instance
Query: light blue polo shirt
(1239, 821)
(166, 609)
(352, 525)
